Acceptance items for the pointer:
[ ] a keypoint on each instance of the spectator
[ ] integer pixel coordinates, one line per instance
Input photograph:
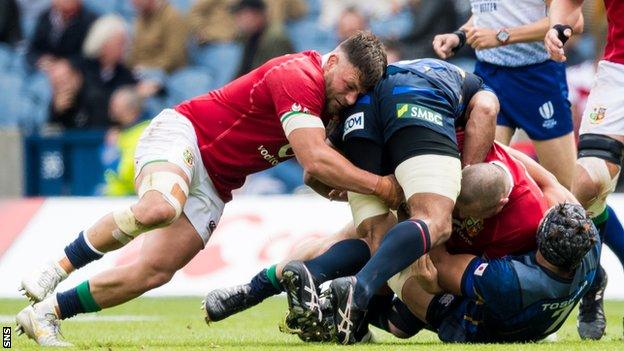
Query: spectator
(281, 11)
(67, 95)
(211, 21)
(102, 72)
(10, 32)
(120, 142)
(262, 40)
(351, 20)
(60, 33)
(160, 34)
(331, 9)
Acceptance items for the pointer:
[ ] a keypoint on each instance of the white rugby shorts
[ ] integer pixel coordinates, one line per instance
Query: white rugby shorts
(604, 113)
(171, 137)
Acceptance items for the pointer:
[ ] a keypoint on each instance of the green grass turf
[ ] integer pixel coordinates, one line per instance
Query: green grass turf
(177, 324)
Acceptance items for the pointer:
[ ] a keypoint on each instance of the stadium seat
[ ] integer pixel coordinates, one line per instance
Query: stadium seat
(7, 55)
(12, 103)
(187, 83)
(307, 35)
(221, 59)
(393, 27)
(37, 94)
(101, 7)
(182, 5)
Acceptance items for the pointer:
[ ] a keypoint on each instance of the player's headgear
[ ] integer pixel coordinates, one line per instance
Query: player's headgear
(565, 235)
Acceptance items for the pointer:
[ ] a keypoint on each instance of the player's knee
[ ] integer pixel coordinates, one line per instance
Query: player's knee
(154, 211)
(398, 332)
(585, 188)
(439, 229)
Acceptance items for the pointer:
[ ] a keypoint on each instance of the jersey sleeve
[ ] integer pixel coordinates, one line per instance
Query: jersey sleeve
(492, 282)
(297, 96)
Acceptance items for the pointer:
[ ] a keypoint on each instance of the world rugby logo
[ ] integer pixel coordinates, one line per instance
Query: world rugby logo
(547, 111)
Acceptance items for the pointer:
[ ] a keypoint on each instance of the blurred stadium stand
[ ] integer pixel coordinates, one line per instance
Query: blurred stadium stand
(67, 162)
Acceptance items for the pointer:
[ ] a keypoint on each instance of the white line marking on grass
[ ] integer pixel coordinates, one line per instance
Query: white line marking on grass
(7, 318)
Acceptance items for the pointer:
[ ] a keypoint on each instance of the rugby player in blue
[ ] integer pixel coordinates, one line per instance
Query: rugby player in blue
(405, 127)
(512, 299)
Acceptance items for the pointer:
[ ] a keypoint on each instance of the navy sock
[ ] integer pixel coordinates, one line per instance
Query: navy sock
(401, 246)
(262, 287)
(69, 303)
(614, 235)
(342, 259)
(79, 253)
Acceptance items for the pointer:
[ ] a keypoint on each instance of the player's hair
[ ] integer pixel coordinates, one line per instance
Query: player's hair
(483, 184)
(100, 32)
(565, 235)
(366, 52)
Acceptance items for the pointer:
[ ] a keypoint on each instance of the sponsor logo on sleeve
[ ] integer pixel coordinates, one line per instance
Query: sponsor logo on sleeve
(419, 112)
(479, 271)
(353, 122)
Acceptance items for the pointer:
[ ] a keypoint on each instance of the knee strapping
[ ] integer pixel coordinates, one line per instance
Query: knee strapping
(365, 206)
(430, 174)
(170, 185)
(598, 172)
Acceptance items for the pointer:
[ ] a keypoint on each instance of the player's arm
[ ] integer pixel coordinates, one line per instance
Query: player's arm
(450, 269)
(445, 45)
(480, 127)
(562, 13)
(327, 165)
(554, 192)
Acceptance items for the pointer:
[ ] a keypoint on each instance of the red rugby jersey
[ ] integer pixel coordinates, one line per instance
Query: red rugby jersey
(238, 127)
(614, 50)
(511, 231)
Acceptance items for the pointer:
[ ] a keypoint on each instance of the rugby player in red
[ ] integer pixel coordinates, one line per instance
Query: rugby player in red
(601, 141)
(190, 159)
(507, 223)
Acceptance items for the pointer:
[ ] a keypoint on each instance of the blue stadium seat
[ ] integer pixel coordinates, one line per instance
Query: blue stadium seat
(37, 94)
(12, 104)
(7, 55)
(221, 59)
(306, 34)
(101, 7)
(393, 27)
(182, 5)
(188, 82)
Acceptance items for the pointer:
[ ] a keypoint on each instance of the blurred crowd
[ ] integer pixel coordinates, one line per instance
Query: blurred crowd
(112, 65)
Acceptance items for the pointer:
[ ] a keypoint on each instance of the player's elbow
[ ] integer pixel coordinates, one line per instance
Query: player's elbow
(579, 26)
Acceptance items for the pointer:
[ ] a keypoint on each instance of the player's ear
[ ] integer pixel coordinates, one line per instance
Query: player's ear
(333, 59)
(502, 203)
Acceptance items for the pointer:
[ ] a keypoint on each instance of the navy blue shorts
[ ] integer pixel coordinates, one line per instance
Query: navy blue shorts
(534, 97)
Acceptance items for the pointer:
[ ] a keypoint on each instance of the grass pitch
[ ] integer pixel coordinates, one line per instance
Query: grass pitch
(177, 324)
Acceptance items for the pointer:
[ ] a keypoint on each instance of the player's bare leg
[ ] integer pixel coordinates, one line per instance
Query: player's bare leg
(431, 184)
(224, 302)
(595, 178)
(152, 210)
(558, 156)
(163, 190)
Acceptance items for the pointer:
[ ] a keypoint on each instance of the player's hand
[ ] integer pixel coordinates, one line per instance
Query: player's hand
(389, 191)
(554, 46)
(481, 38)
(443, 45)
(338, 195)
(427, 275)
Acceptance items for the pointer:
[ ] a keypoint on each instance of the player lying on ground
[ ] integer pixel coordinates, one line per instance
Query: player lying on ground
(190, 158)
(494, 235)
(510, 299)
